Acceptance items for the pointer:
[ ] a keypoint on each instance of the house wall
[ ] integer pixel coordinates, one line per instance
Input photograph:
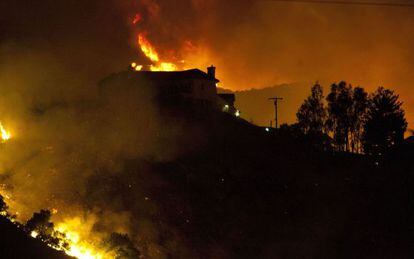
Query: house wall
(201, 91)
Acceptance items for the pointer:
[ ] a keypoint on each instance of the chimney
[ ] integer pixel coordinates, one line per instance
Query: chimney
(211, 72)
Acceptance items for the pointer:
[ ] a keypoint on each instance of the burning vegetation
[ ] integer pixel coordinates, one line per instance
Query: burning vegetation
(150, 52)
(5, 135)
(69, 238)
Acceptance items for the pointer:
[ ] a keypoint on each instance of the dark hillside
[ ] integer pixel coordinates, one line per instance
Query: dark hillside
(14, 243)
(247, 193)
(259, 195)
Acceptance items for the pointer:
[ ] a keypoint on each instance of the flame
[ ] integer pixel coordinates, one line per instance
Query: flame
(151, 53)
(163, 66)
(75, 230)
(5, 135)
(147, 48)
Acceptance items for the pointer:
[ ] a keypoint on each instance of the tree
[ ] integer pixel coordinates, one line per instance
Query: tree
(3, 207)
(312, 114)
(386, 123)
(122, 246)
(41, 227)
(340, 104)
(40, 223)
(358, 118)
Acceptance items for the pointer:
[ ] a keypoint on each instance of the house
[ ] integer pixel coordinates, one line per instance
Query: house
(188, 86)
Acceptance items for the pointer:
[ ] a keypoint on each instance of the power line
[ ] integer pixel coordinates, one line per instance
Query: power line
(334, 2)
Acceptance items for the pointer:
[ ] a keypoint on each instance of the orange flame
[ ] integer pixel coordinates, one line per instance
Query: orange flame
(147, 48)
(151, 53)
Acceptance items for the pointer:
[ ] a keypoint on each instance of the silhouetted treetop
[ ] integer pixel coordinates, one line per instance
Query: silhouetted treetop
(40, 222)
(340, 110)
(356, 122)
(386, 123)
(312, 114)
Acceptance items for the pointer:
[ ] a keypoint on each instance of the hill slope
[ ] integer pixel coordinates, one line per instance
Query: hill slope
(247, 193)
(14, 243)
(238, 191)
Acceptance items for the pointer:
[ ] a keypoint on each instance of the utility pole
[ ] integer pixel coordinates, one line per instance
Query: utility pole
(276, 102)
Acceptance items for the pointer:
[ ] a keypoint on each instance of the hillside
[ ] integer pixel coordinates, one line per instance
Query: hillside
(14, 243)
(247, 193)
(234, 190)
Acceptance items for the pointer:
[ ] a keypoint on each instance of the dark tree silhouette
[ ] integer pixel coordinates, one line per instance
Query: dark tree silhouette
(122, 246)
(3, 207)
(43, 228)
(357, 123)
(386, 123)
(340, 104)
(312, 114)
(40, 222)
(358, 118)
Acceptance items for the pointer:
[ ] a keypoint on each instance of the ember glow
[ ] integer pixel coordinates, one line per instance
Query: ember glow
(136, 67)
(34, 234)
(137, 19)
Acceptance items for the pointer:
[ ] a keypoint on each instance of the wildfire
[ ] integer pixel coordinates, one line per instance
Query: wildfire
(147, 48)
(5, 135)
(151, 53)
(79, 248)
(164, 66)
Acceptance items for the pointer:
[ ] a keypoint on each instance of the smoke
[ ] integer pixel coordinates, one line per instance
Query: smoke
(70, 146)
(256, 44)
(70, 142)
(253, 43)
